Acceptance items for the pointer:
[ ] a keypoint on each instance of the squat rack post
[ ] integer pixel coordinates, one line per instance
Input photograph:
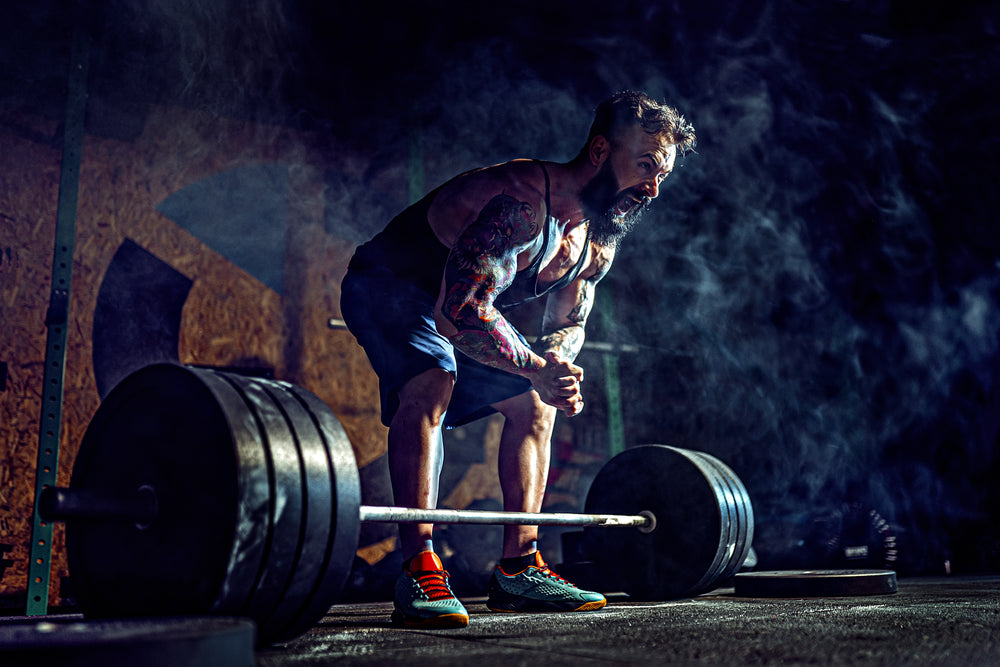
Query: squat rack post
(50, 419)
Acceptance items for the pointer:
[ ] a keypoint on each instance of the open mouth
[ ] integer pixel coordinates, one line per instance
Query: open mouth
(626, 202)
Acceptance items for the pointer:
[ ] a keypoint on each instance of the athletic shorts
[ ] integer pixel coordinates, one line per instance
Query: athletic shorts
(393, 320)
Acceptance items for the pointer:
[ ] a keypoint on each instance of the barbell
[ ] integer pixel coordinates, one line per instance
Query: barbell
(197, 491)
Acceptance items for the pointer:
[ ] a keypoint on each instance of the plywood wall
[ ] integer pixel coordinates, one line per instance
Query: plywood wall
(230, 318)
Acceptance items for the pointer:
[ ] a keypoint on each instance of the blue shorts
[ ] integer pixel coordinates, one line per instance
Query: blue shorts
(393, 321)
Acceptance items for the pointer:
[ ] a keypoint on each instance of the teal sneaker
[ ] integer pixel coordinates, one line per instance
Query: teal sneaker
(424, 598)
(537, 588)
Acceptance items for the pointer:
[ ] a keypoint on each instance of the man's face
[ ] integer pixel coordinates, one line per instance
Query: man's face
(629, 179)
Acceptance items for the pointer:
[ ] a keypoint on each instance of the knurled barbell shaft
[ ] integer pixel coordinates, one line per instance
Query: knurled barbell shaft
(60, 503)
(377, 514)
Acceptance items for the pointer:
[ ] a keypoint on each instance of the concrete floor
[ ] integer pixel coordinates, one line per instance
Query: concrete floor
(947, 621)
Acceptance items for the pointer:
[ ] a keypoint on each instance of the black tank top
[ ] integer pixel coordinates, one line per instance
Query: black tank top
(408, 247)
(525, 285)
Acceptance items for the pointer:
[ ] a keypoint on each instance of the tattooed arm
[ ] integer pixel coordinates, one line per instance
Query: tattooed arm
(481, 265)
(566, 311)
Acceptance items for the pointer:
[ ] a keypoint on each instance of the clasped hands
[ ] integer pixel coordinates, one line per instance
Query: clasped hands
(558, 384)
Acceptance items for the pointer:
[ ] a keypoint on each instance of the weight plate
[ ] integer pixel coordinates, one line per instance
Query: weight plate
(743, 556)
(70, 641)
(341, 489)
(854, 536)
(294, 613)
(737, 502)
(284, 538)
(728, 529)
(683, 555)
(315, 515)
(745, 539)
(161, 427)
(254, 488)
(814, 583)
(743, 509)
(258, 500)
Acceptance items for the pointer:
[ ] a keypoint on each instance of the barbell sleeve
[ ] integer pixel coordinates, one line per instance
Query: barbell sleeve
(377, 514)
(58, 504)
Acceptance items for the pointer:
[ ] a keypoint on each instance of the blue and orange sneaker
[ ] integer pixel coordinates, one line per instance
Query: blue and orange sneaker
(423, 597)
(536, 588)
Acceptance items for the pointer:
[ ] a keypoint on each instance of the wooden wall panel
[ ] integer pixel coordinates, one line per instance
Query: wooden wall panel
(230, 318)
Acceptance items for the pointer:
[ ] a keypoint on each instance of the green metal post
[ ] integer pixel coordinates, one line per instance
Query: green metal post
(50, 422)
(612, 381)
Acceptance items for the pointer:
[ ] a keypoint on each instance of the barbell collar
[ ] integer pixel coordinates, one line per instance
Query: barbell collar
(378, 514)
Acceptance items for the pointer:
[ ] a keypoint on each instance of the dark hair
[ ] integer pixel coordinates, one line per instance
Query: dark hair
(629, 107)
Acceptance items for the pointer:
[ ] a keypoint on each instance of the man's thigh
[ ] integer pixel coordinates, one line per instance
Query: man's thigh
(394, 322)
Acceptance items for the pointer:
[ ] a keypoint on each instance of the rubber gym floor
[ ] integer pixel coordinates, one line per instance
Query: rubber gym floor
(928, 621)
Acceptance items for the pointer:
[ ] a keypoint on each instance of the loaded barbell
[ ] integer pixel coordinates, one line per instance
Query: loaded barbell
(200, 491)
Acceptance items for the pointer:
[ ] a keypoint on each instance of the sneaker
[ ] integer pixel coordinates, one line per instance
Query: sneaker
(537, 588)
(424, 598)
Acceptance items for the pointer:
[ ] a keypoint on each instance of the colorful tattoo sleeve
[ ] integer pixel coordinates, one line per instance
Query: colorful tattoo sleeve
(481, 265)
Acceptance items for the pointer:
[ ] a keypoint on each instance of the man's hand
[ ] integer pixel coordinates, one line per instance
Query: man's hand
(558, 384)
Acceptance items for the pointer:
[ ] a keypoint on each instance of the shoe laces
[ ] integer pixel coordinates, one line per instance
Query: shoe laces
(548, 572)
(433, 583)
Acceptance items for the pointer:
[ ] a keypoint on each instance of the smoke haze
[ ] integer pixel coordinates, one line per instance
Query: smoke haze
(815, 289)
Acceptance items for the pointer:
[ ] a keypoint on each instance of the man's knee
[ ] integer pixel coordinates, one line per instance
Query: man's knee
(528, 412)
(426, 395)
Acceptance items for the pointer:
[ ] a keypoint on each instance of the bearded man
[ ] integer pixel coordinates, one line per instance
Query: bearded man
(426, 299)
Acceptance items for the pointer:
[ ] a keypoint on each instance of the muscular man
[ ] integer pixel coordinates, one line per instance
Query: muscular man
(426, 299)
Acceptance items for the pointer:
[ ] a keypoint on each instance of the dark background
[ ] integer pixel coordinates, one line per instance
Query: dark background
(815, 290)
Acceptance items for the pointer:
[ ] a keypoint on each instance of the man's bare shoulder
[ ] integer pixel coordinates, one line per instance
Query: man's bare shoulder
(464, 198)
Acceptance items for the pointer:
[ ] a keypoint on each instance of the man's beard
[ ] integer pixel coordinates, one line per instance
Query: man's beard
(612, 216)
